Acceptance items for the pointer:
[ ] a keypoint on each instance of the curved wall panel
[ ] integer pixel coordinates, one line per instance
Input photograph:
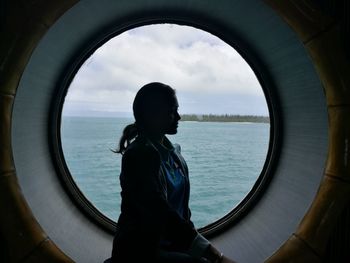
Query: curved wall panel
(274, 46)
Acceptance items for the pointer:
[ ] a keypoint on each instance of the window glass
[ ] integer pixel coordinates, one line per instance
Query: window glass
(224, 132)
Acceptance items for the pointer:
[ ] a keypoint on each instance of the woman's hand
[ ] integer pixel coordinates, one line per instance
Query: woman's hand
(213, 255)
(227, 260)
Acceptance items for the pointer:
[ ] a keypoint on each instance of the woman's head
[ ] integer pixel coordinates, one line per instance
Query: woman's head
(155, 110)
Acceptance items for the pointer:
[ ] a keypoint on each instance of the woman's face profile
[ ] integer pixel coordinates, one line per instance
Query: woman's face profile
(165, 117)
(173, 117)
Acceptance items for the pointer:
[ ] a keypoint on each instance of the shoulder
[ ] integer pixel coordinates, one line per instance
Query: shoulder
(140, 158)
(141, 149)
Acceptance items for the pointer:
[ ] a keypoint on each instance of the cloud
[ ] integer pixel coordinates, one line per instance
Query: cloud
(205, 71)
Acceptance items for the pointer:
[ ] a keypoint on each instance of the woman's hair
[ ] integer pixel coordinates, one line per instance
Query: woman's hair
(143, 106)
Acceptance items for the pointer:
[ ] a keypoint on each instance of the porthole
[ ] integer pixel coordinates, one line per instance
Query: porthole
(226, 134)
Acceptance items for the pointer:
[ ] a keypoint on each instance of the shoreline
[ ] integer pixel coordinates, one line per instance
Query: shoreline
(225, 118)
(196, 118)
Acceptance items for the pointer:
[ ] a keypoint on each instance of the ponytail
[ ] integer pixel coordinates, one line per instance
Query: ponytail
(129, 133)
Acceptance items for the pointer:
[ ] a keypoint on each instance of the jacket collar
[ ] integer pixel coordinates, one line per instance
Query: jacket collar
(164, 149)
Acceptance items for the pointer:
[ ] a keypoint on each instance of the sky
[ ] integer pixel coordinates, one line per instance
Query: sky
(209, 76)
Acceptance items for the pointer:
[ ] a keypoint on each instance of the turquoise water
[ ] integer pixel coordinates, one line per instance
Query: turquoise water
(224, 161)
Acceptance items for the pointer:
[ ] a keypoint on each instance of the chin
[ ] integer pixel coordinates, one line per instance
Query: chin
(172, 131)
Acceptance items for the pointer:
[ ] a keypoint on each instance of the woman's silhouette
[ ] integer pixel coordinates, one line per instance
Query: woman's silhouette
(154, 224)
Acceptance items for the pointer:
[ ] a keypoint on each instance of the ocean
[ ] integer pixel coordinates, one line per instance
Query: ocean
(224, 159)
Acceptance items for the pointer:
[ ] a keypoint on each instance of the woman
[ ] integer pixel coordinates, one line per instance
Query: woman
(154, 224)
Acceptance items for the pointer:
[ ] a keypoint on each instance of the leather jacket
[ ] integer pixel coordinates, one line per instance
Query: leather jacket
(146, 217)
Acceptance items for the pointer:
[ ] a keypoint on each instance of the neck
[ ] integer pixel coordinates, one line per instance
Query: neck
(157, 137)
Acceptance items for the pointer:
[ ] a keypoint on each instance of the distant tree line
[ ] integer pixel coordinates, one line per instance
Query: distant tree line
(224, 118)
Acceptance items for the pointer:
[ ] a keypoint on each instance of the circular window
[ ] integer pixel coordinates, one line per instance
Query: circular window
(224, 132)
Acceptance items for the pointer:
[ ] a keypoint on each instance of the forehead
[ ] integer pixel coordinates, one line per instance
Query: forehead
(175, 103)
(164, 101)
(171, 101)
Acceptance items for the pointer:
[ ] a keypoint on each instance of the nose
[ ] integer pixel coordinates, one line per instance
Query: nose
(178, 117)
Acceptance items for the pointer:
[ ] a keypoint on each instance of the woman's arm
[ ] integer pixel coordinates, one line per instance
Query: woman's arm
(146, 197)
(141, 184)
